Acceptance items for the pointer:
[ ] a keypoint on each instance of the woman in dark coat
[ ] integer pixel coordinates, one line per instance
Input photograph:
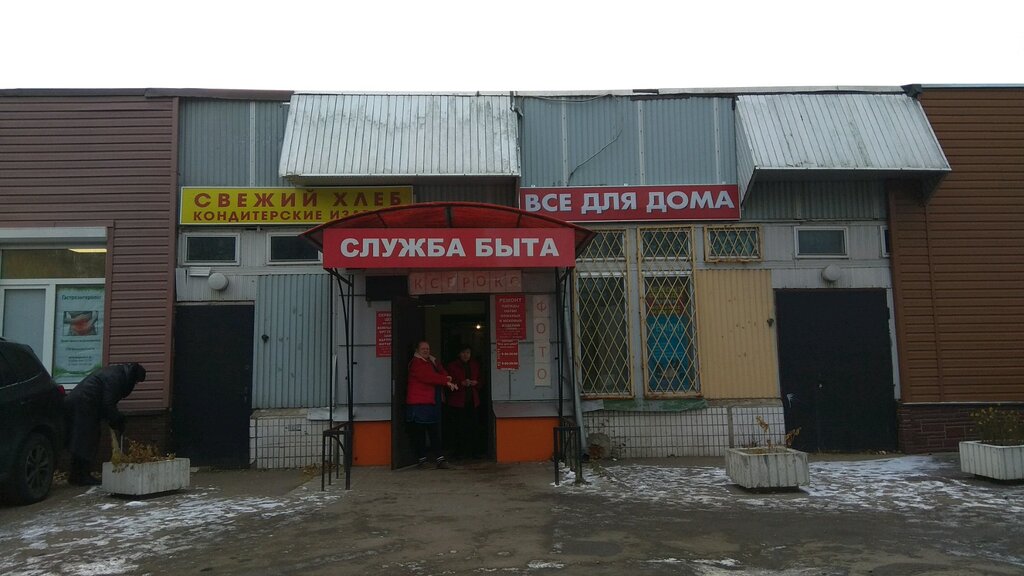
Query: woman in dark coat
(91, 402)
(464, 404)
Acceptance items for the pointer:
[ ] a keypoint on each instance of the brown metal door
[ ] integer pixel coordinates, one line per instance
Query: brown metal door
(407, 331)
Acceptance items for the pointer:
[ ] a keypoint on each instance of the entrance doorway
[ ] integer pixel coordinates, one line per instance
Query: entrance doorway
(835, 367)
(448, 323)
(213, 384)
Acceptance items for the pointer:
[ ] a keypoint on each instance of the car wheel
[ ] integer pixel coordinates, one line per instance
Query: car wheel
(32, 475)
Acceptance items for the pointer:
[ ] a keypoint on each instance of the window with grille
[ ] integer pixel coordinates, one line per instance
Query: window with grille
(603, 334)
(620, 334)
(670, 352)
(732, 243)
(665, 243)
(606, 245)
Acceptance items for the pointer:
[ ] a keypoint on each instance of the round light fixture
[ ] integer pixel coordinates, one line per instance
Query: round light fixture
(217, 281)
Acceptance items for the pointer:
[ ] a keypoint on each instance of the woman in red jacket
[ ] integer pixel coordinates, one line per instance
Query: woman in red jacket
(423, 403)
(465, 404)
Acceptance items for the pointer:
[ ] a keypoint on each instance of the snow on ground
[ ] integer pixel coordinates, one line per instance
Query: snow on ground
(104, 535)
(906, 484)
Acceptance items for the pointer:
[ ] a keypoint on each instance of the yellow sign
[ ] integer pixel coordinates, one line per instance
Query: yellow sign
(221, 206)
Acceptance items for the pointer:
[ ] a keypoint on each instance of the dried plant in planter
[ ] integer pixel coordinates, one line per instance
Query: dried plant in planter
(137, 453)
(999, 427)
(768, 445)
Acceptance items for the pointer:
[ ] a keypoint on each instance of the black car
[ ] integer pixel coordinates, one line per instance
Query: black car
(31, 424)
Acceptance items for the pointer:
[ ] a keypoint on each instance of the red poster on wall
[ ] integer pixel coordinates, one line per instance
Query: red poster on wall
(510, 310)
(508, 355)
(383, 334)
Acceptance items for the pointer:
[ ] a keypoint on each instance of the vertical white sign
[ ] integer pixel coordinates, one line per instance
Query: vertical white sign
(540, 309)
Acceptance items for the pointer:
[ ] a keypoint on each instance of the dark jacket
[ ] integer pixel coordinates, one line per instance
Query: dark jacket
(94, 400)
(458, 372)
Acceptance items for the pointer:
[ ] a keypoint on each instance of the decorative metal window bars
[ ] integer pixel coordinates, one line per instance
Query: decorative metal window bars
(732, 244)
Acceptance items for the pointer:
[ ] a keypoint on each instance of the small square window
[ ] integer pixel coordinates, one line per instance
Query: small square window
(886, 246)
(287, 248)
(821, 242)
(206, 249)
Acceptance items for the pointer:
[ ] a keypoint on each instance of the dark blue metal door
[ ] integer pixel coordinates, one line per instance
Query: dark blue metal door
(835, 366)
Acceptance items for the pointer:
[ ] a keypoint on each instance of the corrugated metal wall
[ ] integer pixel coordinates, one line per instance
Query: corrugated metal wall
(615, 141)
(400, 135)
(290, 368)
(737, 345)
(958, 262)
(104, 161)
(884, 133)
(816, 200)
(231, 143)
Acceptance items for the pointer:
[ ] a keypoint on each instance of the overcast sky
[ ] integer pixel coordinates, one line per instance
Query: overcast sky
(449, 45)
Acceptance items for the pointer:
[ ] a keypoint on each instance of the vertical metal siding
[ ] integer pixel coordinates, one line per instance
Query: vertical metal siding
(290, 368)
(395, 134)
(214, 143)
(614, 141)
(744, 161)
(271, 118)
(231, 143)
(689, 141)
(736, 343)
(541, 141)
(816, 200)
(603, 140)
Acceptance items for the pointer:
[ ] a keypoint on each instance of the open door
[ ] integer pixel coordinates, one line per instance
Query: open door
(470, 329)
(408, 330)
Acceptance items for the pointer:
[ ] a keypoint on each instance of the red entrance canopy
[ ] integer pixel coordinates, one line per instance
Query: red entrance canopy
(450, 215)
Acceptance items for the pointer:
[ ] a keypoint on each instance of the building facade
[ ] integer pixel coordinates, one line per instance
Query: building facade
(795, 258)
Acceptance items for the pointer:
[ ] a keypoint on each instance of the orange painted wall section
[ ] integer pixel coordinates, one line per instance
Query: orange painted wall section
(373, 444)
(525, 439)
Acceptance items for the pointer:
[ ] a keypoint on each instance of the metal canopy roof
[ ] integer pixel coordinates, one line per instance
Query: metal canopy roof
(366, 136)
(784, 136)
(450, 215)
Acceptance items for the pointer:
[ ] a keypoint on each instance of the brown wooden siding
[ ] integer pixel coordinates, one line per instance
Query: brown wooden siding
(958, 261)
(104, 160)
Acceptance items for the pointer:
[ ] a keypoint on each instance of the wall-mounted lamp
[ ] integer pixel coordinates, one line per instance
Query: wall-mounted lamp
(217, 281)
(831, 273)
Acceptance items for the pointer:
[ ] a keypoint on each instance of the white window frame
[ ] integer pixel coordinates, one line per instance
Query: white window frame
(882, 231)
(49, 287)
(184, 248)
(846, 243)
(270, 255)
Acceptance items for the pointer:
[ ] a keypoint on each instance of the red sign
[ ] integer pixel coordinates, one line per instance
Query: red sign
(383, 334)
(449, 248)
(465, 282)
(634, 203)
(511, 312)
(508, 355)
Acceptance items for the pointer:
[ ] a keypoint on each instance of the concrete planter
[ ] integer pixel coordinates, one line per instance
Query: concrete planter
(147, 477)
(991, 461)
(763, 468)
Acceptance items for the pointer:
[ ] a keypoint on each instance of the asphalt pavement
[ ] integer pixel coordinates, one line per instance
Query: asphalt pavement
(879, 515)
